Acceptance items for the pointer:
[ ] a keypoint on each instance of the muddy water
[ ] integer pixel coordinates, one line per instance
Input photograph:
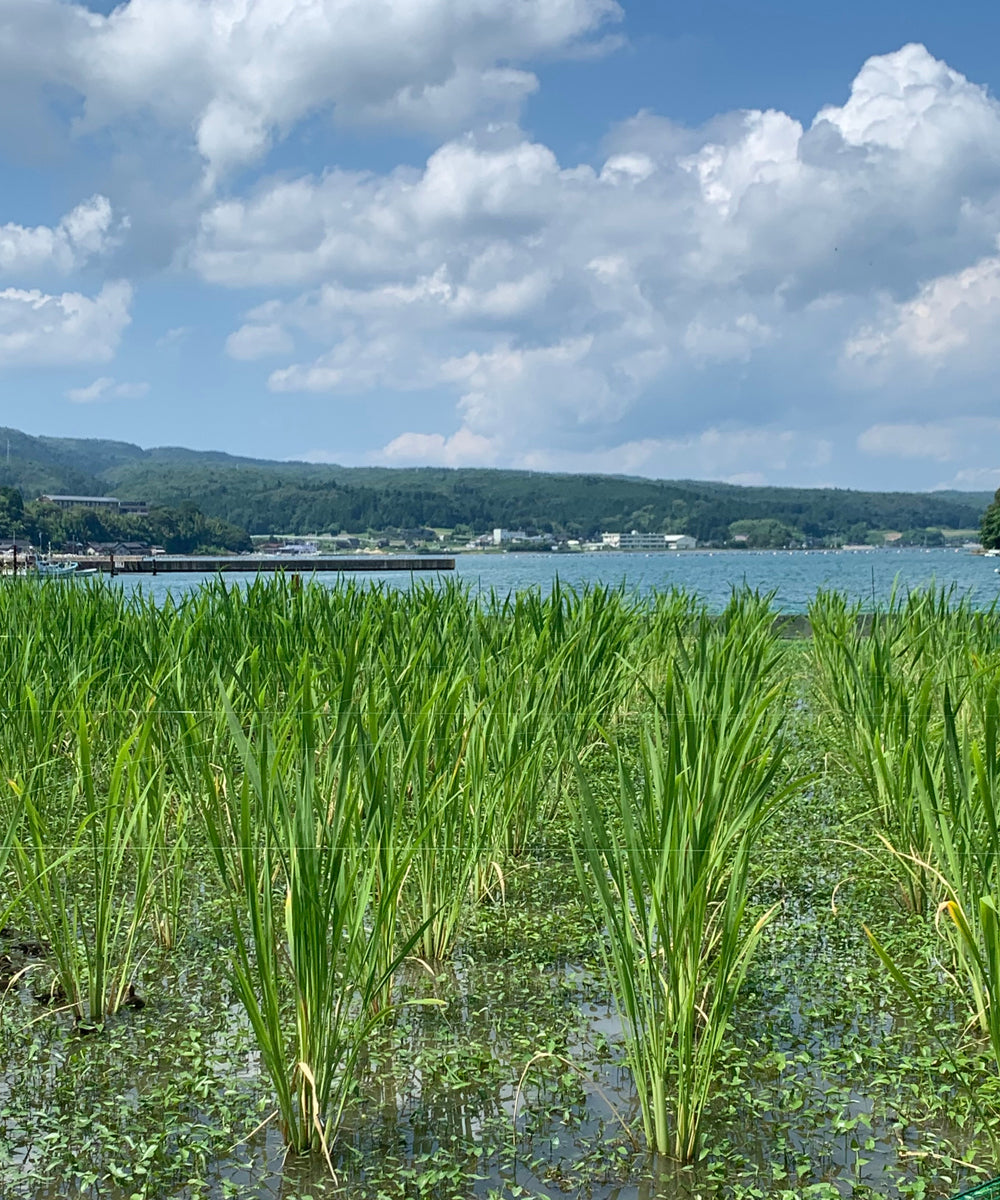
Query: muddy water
(808, 1093)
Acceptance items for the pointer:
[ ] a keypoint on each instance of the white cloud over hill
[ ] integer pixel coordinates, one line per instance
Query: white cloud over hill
(659, 289)
(236, 74)
(80, 235)
(757, 294)
(37, 329)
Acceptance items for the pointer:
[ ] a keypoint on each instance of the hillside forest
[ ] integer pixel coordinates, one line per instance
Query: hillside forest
(237, 497)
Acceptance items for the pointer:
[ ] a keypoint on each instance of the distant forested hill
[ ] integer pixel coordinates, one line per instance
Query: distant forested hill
(263, 496)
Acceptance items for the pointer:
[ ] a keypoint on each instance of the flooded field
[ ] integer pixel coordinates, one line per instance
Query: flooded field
(465, 792)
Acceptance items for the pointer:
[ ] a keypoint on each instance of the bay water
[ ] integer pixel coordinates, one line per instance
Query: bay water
(794, 576)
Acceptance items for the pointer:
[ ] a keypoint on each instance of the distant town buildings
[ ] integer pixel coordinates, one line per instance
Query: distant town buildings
(121, 549)
(647, 541)
(508, 535)
(139, 507)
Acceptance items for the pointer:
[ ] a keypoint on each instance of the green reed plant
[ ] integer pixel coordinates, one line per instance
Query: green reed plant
(515, 736)
(669, 867)
(83, 874)
(447, 809)
(858, 660)
(590, 635)
(879, 697)
(893, 767)
(308, 903)
(162, 826)
(958, 794)
(384, 772)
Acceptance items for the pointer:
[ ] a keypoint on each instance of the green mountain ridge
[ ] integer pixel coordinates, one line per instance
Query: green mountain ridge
(263, 496)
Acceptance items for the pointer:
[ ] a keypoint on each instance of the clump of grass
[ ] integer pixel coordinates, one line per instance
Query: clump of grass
(957, 791)
(879, 697)
(83, 874)
(669, 864)
(310, 900)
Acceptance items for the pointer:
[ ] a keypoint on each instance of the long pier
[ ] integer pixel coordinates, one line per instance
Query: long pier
(164, 564)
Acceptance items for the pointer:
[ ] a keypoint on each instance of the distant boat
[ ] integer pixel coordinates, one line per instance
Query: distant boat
(63, 570)
(52, 570)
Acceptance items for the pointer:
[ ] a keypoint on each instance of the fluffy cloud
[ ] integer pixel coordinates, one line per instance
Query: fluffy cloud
(952, 323)
(250, 342)
(236, 73)
(106, 388)
(173, 337)
(694, 279)
(359, 227)
(734, 455)
(652, 306)
(82, 234)
(462, 449)
(974, 479)
(935, 441)
(910, 101)
(940, 441)
(37, 329)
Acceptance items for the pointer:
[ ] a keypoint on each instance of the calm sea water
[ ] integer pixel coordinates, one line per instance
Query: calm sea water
(794, 576)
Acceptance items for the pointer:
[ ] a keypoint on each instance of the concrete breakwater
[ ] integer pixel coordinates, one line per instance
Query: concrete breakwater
(163, 564)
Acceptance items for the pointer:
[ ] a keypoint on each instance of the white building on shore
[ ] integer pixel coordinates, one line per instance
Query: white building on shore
(648, 541)
(509, 535)
(137, 507)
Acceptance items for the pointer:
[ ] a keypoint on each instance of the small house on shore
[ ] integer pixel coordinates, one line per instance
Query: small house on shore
(121, 549)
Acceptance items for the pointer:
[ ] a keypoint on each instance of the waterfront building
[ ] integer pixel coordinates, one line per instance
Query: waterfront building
(139, 507)
(647, 541)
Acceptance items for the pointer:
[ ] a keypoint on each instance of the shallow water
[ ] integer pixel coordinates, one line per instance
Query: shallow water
(806, 1100)
(793, 575)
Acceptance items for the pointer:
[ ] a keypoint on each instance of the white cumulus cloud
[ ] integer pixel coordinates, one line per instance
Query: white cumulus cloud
(659, 300)
(940, 441)
(107, 388)
(84, 233)
(235, 74)
(38, 329)
(461, 449)
(693, 279)
(953, 323)
(734, 455)
(258, 341)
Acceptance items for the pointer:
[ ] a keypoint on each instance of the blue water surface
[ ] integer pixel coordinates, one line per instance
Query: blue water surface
(794, 576)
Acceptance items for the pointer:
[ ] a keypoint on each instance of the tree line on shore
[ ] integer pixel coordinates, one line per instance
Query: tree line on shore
(241, 496)
(179, 530)
(292, 498)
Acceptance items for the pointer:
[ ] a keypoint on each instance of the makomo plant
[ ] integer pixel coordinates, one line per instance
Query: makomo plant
(83, 871)
(668, 862)
(309, 901)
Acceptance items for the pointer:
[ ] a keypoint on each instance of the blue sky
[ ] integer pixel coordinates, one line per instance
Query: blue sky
(755, 242)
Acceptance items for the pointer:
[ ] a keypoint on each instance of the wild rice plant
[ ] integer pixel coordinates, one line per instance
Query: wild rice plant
(958, 796)
(162, 826)
(516, 738)
(383, 772)
(82, 873)
(446, 811)
(892, 765)
(308, 959)
(881, 702)
(669, 868)
(590, 684)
